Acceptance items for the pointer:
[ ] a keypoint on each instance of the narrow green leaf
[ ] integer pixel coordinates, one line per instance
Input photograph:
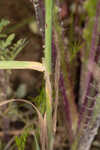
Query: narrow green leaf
(9, 40)
(21, 65)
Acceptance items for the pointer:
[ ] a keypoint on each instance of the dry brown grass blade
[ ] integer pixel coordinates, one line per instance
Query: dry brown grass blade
(43, 134)
(25, 101)
(42, 121)
(22, 100)
(56, 85)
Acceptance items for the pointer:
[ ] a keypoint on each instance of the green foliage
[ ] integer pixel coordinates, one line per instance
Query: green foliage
(40, 101)
(74, 46)
(5, 43)
(74, 49)
(21, 140)
(90, 7)
(9, 49)
(3, 23)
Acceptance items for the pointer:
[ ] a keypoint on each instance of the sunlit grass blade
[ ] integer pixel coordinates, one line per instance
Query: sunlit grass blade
(48, 69)
(21, 65)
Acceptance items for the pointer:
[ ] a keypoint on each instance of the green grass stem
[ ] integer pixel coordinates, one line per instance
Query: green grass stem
(47, 59)
(48, 34)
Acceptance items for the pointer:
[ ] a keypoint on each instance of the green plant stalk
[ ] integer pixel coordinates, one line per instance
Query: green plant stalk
(48, 34)
(47, 61)
(21, 65)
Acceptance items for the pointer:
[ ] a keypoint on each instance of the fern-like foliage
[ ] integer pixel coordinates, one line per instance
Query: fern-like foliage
(8, 48)
(21, 140)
